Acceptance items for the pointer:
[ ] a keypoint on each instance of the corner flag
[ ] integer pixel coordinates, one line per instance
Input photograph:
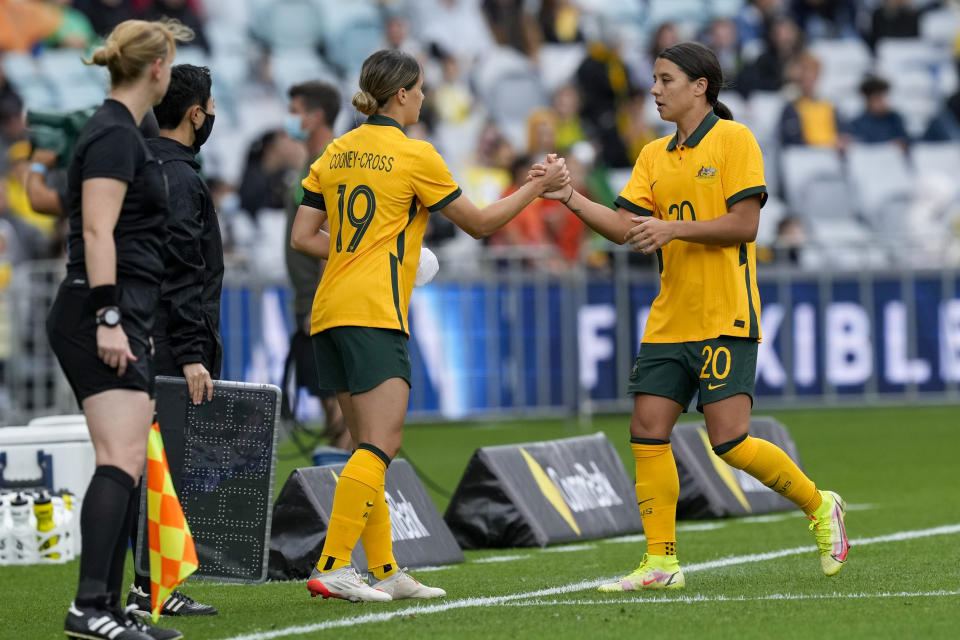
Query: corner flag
(172, 554)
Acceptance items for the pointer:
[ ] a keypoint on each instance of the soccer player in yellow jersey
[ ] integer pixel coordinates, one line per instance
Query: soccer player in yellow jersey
(694, 198)
(377, 187)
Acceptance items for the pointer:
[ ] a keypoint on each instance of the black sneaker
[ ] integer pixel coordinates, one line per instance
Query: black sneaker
(135, 623)
(176, 604)
(93, 623)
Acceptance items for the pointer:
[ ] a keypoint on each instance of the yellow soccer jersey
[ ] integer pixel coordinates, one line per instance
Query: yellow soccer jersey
(706, 291)
(378, 188)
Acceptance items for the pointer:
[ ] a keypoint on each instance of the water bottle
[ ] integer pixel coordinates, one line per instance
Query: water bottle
(43, 510)
(4, 528)
(23, 535)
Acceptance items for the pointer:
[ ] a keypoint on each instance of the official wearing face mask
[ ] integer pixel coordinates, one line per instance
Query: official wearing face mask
(187, 329)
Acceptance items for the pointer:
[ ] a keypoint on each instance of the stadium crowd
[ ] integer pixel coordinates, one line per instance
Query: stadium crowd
(508, 80)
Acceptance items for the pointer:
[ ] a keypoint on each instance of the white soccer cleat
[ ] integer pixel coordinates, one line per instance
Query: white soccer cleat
(402, 585)
(344, 583)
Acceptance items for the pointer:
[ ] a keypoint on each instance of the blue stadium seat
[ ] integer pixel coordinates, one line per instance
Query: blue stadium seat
(192, 55)
(882, 181)
(805, 169)
(351, 32)
(288, 24)
(510, 87)
(289, 66)
(559, 63)
(73, 96)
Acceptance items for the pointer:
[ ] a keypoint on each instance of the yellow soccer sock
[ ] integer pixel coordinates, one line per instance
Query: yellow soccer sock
(377, 539)
(769, 464)
(658, 489)
(353, 502)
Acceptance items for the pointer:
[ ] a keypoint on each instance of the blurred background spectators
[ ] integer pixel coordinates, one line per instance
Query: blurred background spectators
(818, 81)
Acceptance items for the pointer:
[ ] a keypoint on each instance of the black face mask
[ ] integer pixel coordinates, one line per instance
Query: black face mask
(201, 134)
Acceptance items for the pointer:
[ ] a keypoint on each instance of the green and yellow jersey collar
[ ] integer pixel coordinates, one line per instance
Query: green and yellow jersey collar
(383, 121)
(697, 134)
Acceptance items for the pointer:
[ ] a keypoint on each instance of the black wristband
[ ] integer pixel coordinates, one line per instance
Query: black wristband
(103, 296)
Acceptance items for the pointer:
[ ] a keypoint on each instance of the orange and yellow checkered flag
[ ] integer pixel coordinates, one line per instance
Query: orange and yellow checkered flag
(172, 554)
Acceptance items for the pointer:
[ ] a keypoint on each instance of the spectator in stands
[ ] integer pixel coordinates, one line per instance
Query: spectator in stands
(566, 103)
(809, 119)
(18, 163)
(560, 21)
(784, 43)
(634, 129)
(513, 25)
(752, 21)
(893, 19)
(879, 122)
(791, 237)
(665, 35)
(489, 172)
(528, 229)
(24, 241)
(541, 132)
(825, 18)
(605, 87)
(185, 12)
(23, 25)
(270, 160)
(721, 37)
(104, 15)
(945, 125)
(396, 35)
(452, 96)
(12, 123)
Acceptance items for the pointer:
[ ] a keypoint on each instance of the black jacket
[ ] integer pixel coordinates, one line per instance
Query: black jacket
(188, 317)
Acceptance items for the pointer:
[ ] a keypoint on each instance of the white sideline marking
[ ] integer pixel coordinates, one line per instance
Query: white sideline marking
(775, 596)
(568, 548)
(421, 609)
(634, 537)
(703, 526)
(520, 556)
(442, 567)
(639, 537)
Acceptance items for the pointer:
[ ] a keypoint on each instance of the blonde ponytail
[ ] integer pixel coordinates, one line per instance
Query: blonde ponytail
(365, 103)
(134, 44)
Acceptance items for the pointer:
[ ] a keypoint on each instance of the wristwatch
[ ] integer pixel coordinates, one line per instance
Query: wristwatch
(109, 317)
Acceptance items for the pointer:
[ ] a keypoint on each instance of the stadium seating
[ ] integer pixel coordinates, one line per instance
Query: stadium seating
(805, 170)
(882, 180)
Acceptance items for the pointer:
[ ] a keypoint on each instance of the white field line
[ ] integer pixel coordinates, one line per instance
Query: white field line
(567, 548)
(519, 556)
(424, 609)
(775, 596)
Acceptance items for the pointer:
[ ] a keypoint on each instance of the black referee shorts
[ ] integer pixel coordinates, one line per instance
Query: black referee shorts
(72, 332)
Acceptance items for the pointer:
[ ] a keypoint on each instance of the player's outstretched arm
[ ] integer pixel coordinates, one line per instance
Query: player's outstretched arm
(480, 223)
(307, 235)
(611, 224)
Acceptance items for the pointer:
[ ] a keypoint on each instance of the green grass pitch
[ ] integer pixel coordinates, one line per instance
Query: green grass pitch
(896, 467)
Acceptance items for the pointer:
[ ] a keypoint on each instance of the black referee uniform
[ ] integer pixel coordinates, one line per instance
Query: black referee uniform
(111, 146)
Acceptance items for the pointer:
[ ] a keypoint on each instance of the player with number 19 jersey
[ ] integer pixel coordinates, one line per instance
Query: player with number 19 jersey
(378, 188)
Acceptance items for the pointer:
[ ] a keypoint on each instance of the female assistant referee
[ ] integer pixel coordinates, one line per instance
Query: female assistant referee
(102, 318)
(378, 188)
(694, 199)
